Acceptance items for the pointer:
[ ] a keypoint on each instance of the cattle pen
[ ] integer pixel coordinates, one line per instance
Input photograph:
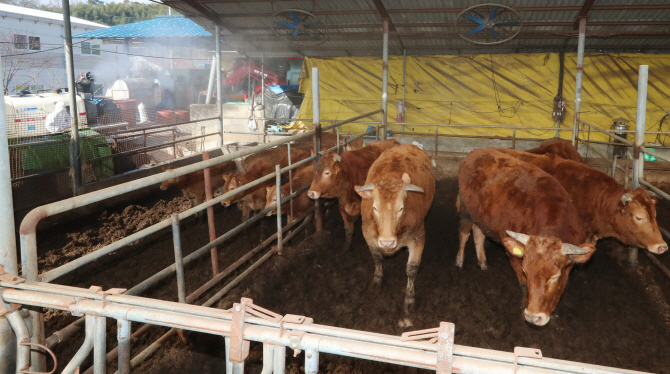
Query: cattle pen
(129, 289)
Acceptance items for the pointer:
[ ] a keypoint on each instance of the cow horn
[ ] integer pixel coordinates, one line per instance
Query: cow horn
(571, 249)
(627, 197)
(367, 187)
(321, 153)
(521, 238)
(652, 194)
(337, 158)
(411, 187)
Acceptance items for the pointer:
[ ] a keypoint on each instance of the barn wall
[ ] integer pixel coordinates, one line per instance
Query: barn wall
(509, 89)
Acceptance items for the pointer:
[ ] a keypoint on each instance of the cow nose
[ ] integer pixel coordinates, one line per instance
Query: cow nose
(538, 319)
(163, 188)
(313, 194)
(661, 248)
(225, 203)
(387, 242)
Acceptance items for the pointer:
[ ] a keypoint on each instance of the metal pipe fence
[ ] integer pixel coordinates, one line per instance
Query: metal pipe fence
(248, 322)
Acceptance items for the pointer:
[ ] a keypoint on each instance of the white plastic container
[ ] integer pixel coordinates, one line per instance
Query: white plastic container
(142, 111)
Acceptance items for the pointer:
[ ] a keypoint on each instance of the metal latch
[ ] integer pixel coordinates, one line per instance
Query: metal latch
(111, 291)
(294, 337)
(525, 352)
(10, 278)
(444, 336)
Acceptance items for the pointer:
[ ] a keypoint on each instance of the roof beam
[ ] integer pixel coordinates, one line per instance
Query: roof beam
(480, 47)
(583, 13)
(385, 16)
(451, 25)
(447, 10)
(209, 14)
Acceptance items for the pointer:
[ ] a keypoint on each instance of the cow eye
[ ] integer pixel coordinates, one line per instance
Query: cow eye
(639, 219)
(401, 209)
(326, 173)
(374, 207)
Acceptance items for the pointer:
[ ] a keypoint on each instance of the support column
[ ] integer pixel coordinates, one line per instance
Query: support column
(404, 75)
(316, 125)
(385, 77)
(578, 80)
(638, 162)
(219, 99)
(8, 258)
(75, 162)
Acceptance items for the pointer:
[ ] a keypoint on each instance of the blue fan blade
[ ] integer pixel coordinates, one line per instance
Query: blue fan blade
(295, 18)
(473, 18)
(313, 35)
(495, 35)
(493, 13)
(506, 23)
(313, 24)
(285, 24)
(476, 29)
(295, 33)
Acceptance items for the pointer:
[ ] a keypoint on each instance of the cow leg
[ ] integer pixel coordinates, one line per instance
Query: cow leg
(479, 238)
(377, 259)
(245, 211)
(464, 235)
(521, 277)
(348, 228)
(413, 262)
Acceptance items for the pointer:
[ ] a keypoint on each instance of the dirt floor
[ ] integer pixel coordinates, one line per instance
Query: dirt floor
(610, 314)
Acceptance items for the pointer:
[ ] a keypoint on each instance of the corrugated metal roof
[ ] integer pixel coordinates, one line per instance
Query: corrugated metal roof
(161, 26)
(354, 26)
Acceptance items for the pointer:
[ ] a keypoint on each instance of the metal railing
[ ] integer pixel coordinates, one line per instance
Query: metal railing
(431, 349)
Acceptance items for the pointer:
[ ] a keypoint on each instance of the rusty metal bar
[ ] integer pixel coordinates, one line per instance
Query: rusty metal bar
(210, 216)
(316, 126)
(278, 192)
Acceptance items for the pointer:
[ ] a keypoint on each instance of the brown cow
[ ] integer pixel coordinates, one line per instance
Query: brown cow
(261, 164)
(336, 175)
(526, 209)
(559, 147)
(396, 196)
(192, 185)
(606, 208)
(302, 202)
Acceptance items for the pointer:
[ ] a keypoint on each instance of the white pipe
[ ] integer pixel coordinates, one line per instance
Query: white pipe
(123, 337)
(219, 94)
(22, 357)
(385, 78)
(210, 84)
(100, 346)
(268, 358)
(578, 80)
(85, 348)
(638, 163)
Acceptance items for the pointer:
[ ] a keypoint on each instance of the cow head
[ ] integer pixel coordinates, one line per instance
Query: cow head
(635, 221)
(231, 182)
(546, 262)
(271, 198)
(388, 206)
(168, 183)
(328, 179)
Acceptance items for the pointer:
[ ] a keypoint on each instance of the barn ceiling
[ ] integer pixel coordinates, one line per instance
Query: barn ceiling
(354, 27)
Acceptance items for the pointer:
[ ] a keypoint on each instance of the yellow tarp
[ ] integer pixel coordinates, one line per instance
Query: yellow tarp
(504, 89)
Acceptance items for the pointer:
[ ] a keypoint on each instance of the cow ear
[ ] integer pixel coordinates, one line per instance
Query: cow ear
(163, 168)
(580, 259)
(653, 196)
(267, 188)
(364, 191)
(406, 178)
(514, 247)
(226, 177)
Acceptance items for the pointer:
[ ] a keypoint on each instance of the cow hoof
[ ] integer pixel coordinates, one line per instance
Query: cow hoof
(459, 263)
(483, 266)
(405, 322)
(409, 306)
(376, 283)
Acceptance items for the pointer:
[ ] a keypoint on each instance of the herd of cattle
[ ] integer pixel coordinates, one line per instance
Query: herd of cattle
(544, 205)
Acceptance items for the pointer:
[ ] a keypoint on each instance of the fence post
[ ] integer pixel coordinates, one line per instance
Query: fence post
(123, 337)
(578, 80)
(290, 182)
(210, 216)
(8, 258)
(316, 126)
(638, 155)
(100, 346)
(278, 191)
(638, 162)
(219, 99)
(385, 77)
(75, 162)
